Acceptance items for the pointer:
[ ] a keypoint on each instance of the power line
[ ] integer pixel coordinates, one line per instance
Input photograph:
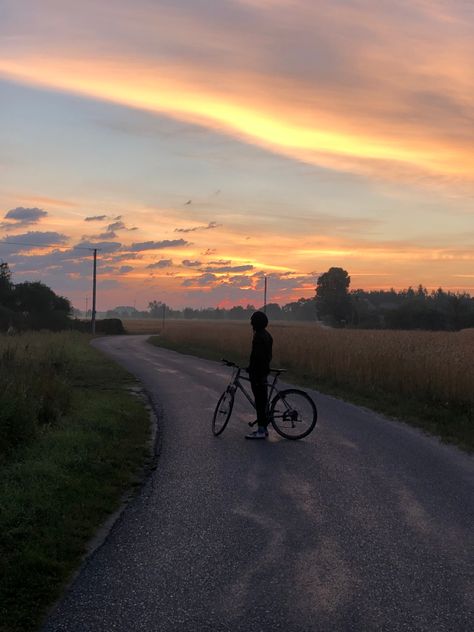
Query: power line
(94, 272)
(19, 243)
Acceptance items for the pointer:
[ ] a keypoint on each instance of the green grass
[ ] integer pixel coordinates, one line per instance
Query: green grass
(62, 480)
(450, 422)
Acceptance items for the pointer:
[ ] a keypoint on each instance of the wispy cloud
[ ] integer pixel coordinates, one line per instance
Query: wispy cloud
(221, 269)
(190, 263)
(163, 263)
(95, 218)
(101, 218)
(116, 226)
(209, 226)
(347, 97)
(158, 245)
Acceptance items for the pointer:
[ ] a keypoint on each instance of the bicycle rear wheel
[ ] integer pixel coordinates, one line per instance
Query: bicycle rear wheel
(293, 414)
(222, 412)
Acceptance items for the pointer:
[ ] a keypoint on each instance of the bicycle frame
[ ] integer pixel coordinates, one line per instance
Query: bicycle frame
(235, 385)
(286, 407)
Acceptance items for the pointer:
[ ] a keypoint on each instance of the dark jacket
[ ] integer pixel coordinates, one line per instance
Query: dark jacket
(261, 355)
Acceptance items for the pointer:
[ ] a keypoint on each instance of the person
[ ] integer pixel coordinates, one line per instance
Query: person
(258, 370)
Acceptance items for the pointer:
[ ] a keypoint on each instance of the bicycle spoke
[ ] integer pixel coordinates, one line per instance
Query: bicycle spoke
(293, 414)
(222, 412)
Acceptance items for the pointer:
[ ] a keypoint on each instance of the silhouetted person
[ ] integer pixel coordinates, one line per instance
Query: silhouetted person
(258, 369)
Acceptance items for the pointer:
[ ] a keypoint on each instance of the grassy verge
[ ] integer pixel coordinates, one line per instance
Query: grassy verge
(449, 418)
(61, 481)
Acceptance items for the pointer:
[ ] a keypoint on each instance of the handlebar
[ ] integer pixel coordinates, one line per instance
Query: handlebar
(232, 364)
(229, 363)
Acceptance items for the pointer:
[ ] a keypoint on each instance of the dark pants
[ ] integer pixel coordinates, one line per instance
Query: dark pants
(259, 390)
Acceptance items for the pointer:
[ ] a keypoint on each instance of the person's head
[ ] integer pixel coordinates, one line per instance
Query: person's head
(258, 321)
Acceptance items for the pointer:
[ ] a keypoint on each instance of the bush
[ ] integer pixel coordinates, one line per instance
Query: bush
(109, 326)
(53, 321)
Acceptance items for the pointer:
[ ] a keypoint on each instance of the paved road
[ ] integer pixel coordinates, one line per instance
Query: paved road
(365, 525)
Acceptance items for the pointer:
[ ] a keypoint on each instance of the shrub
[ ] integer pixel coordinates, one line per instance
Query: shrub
(109, 326)
(34, 387)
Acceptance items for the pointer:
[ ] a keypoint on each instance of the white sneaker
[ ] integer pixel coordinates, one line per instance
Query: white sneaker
(261, 433)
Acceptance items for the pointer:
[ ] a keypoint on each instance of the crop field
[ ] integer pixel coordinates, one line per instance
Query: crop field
(428, 373)
(143, 325)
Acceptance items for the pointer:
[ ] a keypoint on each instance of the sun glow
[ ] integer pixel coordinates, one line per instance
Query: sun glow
(194, 98)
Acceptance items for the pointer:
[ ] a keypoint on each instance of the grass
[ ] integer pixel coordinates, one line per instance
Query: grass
(425, 378)
(68, 472)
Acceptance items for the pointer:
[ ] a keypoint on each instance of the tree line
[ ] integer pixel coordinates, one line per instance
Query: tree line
(390, 309)
(335, 305)
(33, 305)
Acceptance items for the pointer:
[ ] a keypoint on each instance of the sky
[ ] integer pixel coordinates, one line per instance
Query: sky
(201, 145)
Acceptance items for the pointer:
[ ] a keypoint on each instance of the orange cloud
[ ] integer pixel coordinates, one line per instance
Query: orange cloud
(397, 116)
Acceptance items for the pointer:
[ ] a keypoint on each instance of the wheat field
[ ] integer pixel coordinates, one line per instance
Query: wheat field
(430, 366)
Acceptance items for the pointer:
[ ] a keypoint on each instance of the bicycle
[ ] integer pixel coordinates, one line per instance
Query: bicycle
(291, 412)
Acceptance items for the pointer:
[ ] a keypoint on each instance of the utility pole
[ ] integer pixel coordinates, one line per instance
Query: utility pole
(265, 295)
(163, 317)
(94, 285)
(87, 306)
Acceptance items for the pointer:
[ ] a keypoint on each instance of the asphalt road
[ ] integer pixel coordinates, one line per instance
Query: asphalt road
(367, 524)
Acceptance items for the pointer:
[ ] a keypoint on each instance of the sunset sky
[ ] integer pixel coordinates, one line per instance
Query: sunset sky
(203, 144)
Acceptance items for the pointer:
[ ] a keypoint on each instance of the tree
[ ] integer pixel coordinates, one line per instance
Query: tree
(157, 308)
(42, 307)
(302, 309)
(6, 285)
(273, 311)
(333, 302)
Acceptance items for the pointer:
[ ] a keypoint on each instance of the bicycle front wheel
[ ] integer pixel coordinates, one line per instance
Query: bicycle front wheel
(222, 412)
(293, 414)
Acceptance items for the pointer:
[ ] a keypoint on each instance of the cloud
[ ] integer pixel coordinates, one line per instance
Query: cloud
(104, 246)
(242, 289)
(163, 263)
(125, 256)
(221, 262)
(158, 245)
(110, 231)
(188, 263)
(25, 215)
(200, 281)
(95, 218)
(33, 239)
(125, 269)
(102, 218)
(346, 97)
(209, 226)
(221, 269)
(20, 216)
(116, 226)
